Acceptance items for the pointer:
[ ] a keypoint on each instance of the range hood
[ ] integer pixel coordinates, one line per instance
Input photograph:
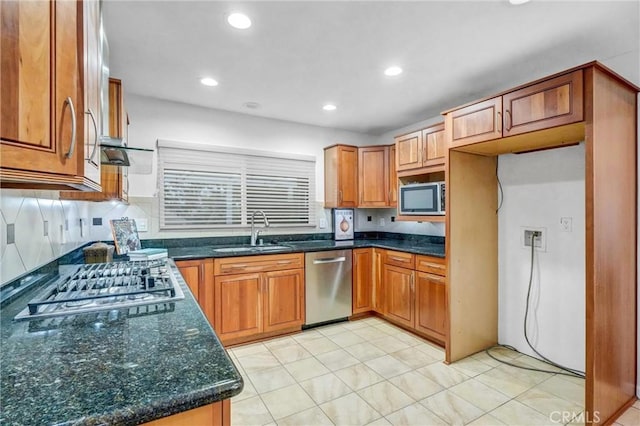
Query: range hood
(114, 152)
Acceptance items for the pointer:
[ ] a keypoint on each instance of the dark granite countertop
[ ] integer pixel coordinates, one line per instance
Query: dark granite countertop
(116, 367)
(209, 251)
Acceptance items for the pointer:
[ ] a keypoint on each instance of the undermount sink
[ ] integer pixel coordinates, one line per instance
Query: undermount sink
(232, 249)
(241, 249)
(267, 248)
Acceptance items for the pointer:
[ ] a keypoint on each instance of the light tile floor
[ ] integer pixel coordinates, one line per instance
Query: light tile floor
(371, 372)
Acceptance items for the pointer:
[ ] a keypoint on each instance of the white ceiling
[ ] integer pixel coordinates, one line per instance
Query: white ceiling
(299, 55)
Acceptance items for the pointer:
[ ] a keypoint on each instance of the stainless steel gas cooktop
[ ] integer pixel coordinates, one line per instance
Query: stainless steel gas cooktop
(105, 286)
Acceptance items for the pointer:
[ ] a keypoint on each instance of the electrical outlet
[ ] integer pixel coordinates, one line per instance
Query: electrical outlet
(368, 218)
(566, 224)
(393, 218)
(539, 237)
(381, 221)
(11, 233)
(323, 223)
(46, 228)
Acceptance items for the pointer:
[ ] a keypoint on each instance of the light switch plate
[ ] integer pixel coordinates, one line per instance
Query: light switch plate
(142, 225)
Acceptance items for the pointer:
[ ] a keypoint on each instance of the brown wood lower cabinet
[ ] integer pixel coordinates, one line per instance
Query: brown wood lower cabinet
(238, 307)
(431, 302)
(415, 296)
(283, 300)
(258, 296)
(198, 275)
(363, 280)
(216, 414)
(398, 284)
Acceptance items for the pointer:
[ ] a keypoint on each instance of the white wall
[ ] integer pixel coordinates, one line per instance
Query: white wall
(153, 119)
(540, 188)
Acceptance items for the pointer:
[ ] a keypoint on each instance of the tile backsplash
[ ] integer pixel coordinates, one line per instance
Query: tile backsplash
(46, 227)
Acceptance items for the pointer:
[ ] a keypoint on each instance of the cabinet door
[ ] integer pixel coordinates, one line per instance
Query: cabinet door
(554, 102)
(409, 151)
(347, 176)
(378, 288)
(91, 79)
(393, 178)
(283, 299)
(198, 275)
(39, 102)
(399, 294)
(373, 176)
(340, 176)
(431, 304)
(362, 280)
(434, 145)
(476, 123)
(238, 305)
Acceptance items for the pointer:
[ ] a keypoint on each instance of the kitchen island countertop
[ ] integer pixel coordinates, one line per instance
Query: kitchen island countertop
(115, 367)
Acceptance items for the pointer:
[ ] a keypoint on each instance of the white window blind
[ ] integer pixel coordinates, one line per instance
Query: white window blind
(202, 186)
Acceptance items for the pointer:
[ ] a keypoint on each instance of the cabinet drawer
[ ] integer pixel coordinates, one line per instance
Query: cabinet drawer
(431, 265)
(399, 258)
(244, 264)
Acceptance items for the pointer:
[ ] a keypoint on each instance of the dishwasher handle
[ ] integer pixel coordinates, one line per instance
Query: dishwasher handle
(329, 260)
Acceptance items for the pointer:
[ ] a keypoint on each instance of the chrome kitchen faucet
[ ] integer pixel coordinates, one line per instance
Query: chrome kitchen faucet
(254, 231)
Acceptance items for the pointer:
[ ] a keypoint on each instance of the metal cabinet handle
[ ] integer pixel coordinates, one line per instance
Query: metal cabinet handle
(284, 262)
(69, 101)
(434, 265)
(508, 114)
(436, 278)
(329, 260)
(95, 141)
(398, 259)
(499, 122)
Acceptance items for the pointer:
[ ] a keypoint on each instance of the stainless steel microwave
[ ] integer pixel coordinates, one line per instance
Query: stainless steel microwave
(424, 199)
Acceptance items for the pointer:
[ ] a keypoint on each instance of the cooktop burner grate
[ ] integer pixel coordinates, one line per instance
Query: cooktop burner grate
(102, 286)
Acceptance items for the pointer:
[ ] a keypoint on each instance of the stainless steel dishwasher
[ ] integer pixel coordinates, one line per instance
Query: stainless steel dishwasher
(328, 286)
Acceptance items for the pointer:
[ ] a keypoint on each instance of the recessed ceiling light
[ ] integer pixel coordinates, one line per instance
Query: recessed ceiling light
(517, 2)
(329, 107)
(208, 81)
(251, 105)
(239, 21)
(393, 71)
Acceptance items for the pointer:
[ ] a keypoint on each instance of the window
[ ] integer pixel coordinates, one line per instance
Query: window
(202, 186)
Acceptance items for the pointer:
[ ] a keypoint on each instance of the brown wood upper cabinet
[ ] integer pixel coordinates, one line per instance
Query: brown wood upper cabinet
(373, 176)
(42, 102)
(114, 179)
(340, 176)
(420, 149)
(549, 103)
(393, 177)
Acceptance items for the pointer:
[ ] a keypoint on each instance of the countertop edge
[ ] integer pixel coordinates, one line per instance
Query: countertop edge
(210, 254)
